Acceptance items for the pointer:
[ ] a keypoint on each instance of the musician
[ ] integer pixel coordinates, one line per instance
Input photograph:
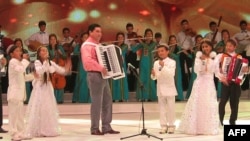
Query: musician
(66, 37)
(101, 105)
(220, 48)
(146, 63)
(131, 57)
(3, 63)
(38, 38)
(185, 39)
(158, 38)
(57, 54)
(221, 45)
(242, 37)
(69, 44)
(81, 91)
(210, 35)
(173, 53)
(230, 90)
(119, 88)
(130, 33)
(28, 84)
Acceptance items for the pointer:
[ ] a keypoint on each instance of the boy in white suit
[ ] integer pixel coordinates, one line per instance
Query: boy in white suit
(16, 94)
(163, 72)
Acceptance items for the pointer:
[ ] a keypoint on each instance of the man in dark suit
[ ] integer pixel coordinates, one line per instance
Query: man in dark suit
(3, 62)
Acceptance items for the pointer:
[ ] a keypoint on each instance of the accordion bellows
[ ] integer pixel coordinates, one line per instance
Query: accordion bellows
(232, 67)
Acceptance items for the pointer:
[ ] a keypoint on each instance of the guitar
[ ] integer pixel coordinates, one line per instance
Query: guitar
(34, 45)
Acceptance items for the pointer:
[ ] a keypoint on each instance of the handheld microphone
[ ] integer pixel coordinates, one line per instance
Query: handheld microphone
(130, 65)
(160, 67)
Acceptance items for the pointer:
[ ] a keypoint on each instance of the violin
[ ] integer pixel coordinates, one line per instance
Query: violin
(190, 32)
(68, 48)
(58, 80)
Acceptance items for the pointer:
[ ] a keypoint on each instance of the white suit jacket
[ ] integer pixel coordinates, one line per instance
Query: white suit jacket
(17, 78)
(165, 77)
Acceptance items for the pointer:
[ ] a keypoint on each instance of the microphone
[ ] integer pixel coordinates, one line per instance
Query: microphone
(160, 67)
(131, 66)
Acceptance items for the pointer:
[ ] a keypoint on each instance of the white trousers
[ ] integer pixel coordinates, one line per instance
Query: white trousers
(167, 111)
(16, 117)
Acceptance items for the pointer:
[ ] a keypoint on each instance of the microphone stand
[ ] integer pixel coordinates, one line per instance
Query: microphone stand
(143, 131)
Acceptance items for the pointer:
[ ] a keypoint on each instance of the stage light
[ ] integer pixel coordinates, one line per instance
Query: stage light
(173, 8)
(13, 20)
(30, 15)
(246, 16)
(95, 14)
(200, 10)
(18, 1)
(203, 32)
(112, 6)
(77, 16)
(144, 12)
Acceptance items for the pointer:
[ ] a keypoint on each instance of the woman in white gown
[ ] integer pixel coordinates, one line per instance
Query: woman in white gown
(201, 112)
(42, 113)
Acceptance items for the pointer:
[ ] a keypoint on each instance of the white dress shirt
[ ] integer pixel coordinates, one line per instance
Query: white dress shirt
(185, 41)
(42, 37)
(210, 36)
(243, 40)
(165, 77)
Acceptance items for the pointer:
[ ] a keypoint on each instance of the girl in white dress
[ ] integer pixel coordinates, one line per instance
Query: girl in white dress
(201, 111)
(42, 113)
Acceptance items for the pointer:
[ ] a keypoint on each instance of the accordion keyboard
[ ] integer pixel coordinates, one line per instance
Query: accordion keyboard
(108, 56)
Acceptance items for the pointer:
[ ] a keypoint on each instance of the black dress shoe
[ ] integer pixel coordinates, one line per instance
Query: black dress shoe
(97, 132)
(111, 132)
(3, 131)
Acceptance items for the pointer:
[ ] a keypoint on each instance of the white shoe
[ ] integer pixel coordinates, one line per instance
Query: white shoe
(163, 131)
(171, 129)
(25, 137)
(16, 138)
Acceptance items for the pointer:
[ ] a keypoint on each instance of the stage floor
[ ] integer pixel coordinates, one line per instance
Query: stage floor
(127, 118)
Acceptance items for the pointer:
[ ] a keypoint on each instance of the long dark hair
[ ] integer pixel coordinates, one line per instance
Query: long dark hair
(116, 37)
(40, 59)
(20, 40)
(207, 42)
(50, 36)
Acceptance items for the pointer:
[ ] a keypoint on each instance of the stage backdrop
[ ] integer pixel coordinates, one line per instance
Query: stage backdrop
(19, 18)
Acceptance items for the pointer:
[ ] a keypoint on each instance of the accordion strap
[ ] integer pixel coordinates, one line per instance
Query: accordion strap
(227, 54)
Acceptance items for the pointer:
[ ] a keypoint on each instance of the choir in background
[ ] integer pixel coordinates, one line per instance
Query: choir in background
(196, 60)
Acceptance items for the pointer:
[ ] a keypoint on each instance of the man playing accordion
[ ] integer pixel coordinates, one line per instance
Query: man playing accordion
(230, 89)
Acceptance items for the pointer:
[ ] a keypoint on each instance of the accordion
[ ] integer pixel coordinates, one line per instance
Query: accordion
(232, 68)
(110, 57)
